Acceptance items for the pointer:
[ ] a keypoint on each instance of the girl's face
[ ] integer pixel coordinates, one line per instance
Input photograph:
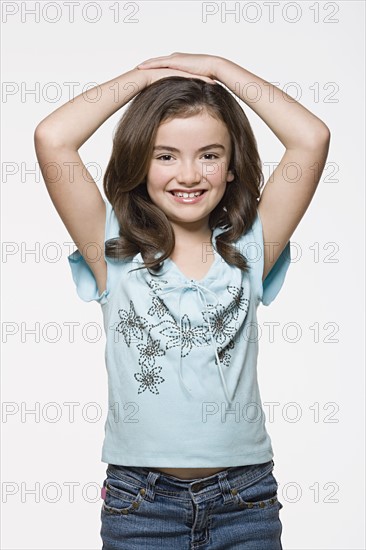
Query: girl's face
(190, 155)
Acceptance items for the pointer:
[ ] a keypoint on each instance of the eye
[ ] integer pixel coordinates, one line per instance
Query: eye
(165, 157)
(210, 155)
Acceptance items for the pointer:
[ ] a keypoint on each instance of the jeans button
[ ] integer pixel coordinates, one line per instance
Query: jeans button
(196, 487)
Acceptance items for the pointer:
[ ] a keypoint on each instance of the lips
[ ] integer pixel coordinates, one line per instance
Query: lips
(186, 194)
(184, 198)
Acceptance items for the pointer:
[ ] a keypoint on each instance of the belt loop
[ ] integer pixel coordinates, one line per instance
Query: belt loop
(150, 485)
(225, 487)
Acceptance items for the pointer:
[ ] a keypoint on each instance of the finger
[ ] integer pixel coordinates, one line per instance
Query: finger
(153, 60)
(154, 65)
(160, 57)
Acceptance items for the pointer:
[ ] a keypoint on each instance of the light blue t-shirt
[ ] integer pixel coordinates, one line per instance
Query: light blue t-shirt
(181, 357)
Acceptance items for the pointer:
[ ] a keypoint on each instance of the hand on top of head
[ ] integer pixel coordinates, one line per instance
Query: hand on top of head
(180, 64)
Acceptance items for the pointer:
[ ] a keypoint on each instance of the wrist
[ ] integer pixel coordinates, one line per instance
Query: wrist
(141, 78)
(219, 69)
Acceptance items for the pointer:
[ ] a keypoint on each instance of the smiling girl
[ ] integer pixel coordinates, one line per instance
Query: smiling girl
(179, 256)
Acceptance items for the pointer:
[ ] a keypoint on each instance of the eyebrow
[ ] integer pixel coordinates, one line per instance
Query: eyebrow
(175, 150)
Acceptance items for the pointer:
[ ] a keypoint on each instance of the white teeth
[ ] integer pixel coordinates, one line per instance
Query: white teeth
(187, 195)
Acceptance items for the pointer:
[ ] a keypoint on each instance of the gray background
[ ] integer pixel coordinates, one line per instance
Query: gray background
(319, 456)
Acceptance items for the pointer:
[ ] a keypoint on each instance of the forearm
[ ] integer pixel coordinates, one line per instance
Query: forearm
(74, 122)
(291, 122)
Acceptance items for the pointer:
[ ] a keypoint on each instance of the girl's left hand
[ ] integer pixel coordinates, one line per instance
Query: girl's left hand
(188, 62)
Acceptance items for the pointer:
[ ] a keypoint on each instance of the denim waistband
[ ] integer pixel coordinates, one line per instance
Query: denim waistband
(236, 477)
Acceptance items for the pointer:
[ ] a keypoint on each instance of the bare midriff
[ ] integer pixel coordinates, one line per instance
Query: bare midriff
(189, 473)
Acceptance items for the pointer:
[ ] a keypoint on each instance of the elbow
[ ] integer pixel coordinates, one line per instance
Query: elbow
(319, 139)
(321, 135)
(325, 134)
(38, 138)
(39, 135)
(41, 132)
(325, 140)
(44, 136)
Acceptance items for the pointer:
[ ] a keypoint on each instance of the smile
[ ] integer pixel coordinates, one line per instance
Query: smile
(185, 197)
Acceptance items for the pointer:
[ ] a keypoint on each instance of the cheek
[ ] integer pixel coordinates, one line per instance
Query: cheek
(155, 180)
(218, 181)
(216, 174)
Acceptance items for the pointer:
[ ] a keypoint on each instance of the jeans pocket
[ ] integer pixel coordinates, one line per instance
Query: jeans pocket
(261, 495)
(123, 494)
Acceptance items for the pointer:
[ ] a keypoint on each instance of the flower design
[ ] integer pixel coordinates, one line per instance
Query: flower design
(187, 337)
(131, 324)
(149, 351)
(225, 358)
(221, 319)
(156, 285)
(158, 308)
(218, 322)
(148, 379)
(239, 302)
(223, 354)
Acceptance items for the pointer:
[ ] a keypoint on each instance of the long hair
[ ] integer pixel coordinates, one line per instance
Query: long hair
(144, 227)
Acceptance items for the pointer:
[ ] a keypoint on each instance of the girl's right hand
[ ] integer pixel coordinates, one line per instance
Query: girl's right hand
(152, 75)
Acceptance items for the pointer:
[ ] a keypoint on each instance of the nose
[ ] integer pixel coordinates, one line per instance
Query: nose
(188, 173)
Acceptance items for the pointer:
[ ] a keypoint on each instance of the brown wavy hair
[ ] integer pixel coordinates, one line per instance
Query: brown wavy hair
(144, 227)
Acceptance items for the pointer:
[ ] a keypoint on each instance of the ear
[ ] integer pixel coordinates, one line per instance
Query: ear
(230, 176)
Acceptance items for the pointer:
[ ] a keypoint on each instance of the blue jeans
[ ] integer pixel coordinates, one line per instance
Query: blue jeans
(235, 509)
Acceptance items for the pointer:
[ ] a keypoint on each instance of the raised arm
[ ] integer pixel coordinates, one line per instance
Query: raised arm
(71, 187)
(290, 188)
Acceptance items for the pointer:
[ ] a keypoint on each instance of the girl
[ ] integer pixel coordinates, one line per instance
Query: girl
(179, 256)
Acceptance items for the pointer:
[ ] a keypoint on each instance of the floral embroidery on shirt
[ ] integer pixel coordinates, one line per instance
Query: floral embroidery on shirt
(220, 323)
(158, 308)
(224, 356)
(239, 302)
(222, 319)
(136, 329)
(131, 325)
(187, 337)
(149, 351)
(149, 378)
(156, 285)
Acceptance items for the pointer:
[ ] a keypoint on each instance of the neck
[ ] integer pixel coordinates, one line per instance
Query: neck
(191, 234)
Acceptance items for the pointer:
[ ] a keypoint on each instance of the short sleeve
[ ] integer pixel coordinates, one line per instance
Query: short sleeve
(252, 247)
(86, 285)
